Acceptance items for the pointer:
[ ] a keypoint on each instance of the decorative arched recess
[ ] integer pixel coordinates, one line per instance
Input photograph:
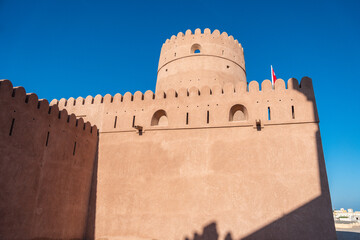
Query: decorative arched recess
(238, 113)
(159, 118)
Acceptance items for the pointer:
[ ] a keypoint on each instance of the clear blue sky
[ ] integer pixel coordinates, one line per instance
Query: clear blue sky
(72, 48)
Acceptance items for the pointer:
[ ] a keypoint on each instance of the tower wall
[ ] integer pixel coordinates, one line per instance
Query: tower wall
(44, 178)
(220, 60)
(197, 169)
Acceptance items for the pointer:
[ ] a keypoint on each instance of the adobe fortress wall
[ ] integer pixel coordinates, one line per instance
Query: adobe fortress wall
(172, 162)
(46, 167)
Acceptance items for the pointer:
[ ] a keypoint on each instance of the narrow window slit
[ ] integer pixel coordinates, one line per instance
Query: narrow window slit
(47, 138)
(115, 121)
(12, 126)
(207, 117)
(74, 148)
(269, 114)
(187, 118)
(133, 122)
(293, 112)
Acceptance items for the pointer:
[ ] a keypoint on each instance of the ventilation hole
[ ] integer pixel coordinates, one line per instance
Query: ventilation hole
(269, 114)
(227, 66)
(207, 117)
(47, 138)
(74, 148)
(165, 70)
(115, 121)
(195, 48)
(133, 122)
(12, 127)
(187, 118)
(293, 112)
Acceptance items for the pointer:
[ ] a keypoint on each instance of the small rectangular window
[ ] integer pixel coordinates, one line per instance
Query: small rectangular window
(269, 114)
(115, 121)
(47, 138)
(293, 112)
(74, 148)
(12, 126)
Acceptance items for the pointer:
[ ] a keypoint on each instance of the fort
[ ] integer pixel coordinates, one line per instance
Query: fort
(207, 156)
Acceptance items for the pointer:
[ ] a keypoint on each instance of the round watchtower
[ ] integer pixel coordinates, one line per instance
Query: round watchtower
(200, 59)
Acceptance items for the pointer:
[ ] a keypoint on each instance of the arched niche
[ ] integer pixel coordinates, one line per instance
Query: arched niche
(159, 118)
(195, 48)
(238, 113)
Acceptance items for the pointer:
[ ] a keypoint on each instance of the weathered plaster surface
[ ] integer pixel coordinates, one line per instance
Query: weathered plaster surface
(45, 182)
(199, 159)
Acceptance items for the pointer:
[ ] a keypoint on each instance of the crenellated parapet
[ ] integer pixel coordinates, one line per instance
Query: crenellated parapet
(199, 59)
(17, 99)
(204, 107)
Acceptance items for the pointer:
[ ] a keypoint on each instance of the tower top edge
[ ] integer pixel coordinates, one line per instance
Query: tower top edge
(207, 34)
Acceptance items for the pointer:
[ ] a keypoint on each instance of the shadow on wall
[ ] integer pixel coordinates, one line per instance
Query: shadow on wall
(209, 233)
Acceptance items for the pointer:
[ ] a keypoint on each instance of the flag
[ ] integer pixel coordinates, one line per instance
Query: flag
(273, 76)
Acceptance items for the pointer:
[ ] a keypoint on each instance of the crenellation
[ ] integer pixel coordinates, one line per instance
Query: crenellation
(80, 101)
(279, 85)
(254, 87)
(108, 98)
(54, 102)
(171, 93)
(72, 119)
(138, 96)
(266, 86)
(62, 103)
(98, 99)
(160, 94)
(6, 87)
(19, 94)
(71, 102)
(193, 92)
(196, 103)
(293, 83)
(118, 98)
(43, 105)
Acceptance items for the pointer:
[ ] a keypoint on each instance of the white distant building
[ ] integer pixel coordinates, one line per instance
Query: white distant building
(346, 216)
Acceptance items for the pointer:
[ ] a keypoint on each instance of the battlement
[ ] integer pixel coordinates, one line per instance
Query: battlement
(215, 43)
(19, 95)
(199, 59)
(252, 88)
(194, 107)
